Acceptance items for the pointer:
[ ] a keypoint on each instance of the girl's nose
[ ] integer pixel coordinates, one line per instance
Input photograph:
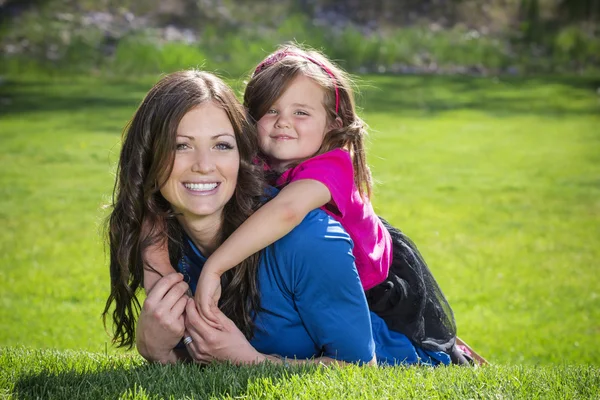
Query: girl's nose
(282, 122)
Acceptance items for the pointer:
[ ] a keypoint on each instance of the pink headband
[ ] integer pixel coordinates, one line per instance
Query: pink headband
(280, 55)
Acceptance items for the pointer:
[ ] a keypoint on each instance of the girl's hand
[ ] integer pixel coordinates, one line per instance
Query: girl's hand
(161, 323)
(208, 293)
(210, 344)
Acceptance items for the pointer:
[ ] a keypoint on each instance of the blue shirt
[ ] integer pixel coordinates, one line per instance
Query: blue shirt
(312, 300)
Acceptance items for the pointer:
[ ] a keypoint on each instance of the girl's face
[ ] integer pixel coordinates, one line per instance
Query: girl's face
(294, 127)
(206, 163)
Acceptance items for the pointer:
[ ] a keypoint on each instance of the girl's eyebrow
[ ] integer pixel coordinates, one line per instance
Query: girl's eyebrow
(303, 105)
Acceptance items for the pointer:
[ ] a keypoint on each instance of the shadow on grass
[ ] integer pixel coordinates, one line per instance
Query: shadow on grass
(18, 97)
(170, 381)
(402, 95)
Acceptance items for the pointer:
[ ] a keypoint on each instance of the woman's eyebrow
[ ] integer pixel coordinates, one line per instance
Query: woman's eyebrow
(218, 135)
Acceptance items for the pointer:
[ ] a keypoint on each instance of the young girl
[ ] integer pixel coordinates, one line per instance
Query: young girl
(312, 141)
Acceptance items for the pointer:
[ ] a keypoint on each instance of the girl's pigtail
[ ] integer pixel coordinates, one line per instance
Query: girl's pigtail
(356, 138)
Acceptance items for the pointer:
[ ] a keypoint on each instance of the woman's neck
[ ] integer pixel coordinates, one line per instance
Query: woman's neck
(204, 231)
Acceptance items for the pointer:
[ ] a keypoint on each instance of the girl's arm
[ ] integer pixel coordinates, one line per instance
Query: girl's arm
(268, 224)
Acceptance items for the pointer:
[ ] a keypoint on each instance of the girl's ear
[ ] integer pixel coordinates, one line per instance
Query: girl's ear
(336, 124)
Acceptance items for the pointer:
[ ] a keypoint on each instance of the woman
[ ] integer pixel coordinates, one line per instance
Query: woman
(186, 166)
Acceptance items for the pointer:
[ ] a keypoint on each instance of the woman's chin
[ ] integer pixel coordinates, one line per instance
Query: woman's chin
(203, 212)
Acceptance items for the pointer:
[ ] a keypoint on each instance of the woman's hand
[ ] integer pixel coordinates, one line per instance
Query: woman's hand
(226, 344)
(161, 323)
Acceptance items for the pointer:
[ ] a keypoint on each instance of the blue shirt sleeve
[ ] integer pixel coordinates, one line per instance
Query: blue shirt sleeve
(327, 290)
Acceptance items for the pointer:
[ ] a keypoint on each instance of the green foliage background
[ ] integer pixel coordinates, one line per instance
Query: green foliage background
(494, 175)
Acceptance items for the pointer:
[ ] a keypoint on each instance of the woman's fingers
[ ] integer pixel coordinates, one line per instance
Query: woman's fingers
(176, 292)
(197, 347)
(179, 306)
(163, 286)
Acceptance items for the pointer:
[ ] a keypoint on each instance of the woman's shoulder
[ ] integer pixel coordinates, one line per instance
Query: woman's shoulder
(319, 239)
(317, 228)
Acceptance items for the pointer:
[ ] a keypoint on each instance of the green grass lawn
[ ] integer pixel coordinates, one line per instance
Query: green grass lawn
(496, 180)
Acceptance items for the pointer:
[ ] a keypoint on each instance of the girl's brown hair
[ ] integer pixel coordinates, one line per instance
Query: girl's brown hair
(145, 163)
(273, 76)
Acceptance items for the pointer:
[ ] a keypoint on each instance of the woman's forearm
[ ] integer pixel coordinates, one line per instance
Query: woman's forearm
(276, 359)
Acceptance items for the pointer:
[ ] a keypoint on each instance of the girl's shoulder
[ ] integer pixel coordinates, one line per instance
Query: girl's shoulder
(334, 164)
(335, 155)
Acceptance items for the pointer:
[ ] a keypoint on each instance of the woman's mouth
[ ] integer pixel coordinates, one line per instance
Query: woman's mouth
(201, 188)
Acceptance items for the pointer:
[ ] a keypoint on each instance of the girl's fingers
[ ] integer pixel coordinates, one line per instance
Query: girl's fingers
(210, 318)
(222, 318)
(193, 318)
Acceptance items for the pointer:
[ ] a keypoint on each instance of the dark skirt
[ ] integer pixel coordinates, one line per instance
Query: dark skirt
(411, 302)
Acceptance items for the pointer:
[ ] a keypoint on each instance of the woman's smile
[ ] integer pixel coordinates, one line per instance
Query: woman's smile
(202, 189)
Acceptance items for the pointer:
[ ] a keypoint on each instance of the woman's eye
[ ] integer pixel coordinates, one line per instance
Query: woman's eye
(224, 146)
(301, 113)
(271, 111)
(181, 146)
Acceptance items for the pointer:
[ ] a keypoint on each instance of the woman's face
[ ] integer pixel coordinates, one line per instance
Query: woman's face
(206, 163)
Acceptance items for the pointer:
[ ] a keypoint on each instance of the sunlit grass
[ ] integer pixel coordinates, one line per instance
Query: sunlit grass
(33, 374)
(497, 181)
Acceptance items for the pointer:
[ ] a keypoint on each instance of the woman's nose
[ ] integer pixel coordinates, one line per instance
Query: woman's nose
(204, 163)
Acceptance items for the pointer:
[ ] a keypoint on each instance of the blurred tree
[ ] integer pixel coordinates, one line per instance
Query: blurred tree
(529, 15)
(11, 8)
(580, 10)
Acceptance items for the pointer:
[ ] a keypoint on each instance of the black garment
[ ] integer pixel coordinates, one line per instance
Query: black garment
(411, 302)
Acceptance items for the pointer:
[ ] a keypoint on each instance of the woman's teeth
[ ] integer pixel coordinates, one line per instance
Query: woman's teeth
(200, 187)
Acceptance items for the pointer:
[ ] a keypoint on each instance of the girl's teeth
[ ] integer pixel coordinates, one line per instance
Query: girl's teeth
(201, 187)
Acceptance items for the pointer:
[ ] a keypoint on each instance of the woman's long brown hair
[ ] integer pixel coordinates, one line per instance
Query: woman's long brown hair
(145, 163)
(268, 84)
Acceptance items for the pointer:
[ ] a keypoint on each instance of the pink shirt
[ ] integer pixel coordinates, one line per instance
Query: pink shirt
(372, 242)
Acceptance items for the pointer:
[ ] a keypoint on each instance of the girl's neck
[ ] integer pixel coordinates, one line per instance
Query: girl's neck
(203, 231)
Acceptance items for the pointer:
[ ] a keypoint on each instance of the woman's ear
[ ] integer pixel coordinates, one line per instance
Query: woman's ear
(336, 124)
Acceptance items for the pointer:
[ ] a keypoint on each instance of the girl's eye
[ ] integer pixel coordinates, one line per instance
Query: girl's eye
(301, 113)
(181, 146)
(271, 111)
(224, 146)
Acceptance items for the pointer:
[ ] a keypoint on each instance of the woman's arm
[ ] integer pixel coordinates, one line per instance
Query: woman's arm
(229, 344)
(156, 259)
(326, 288)
(268, 224)
(161, 323)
